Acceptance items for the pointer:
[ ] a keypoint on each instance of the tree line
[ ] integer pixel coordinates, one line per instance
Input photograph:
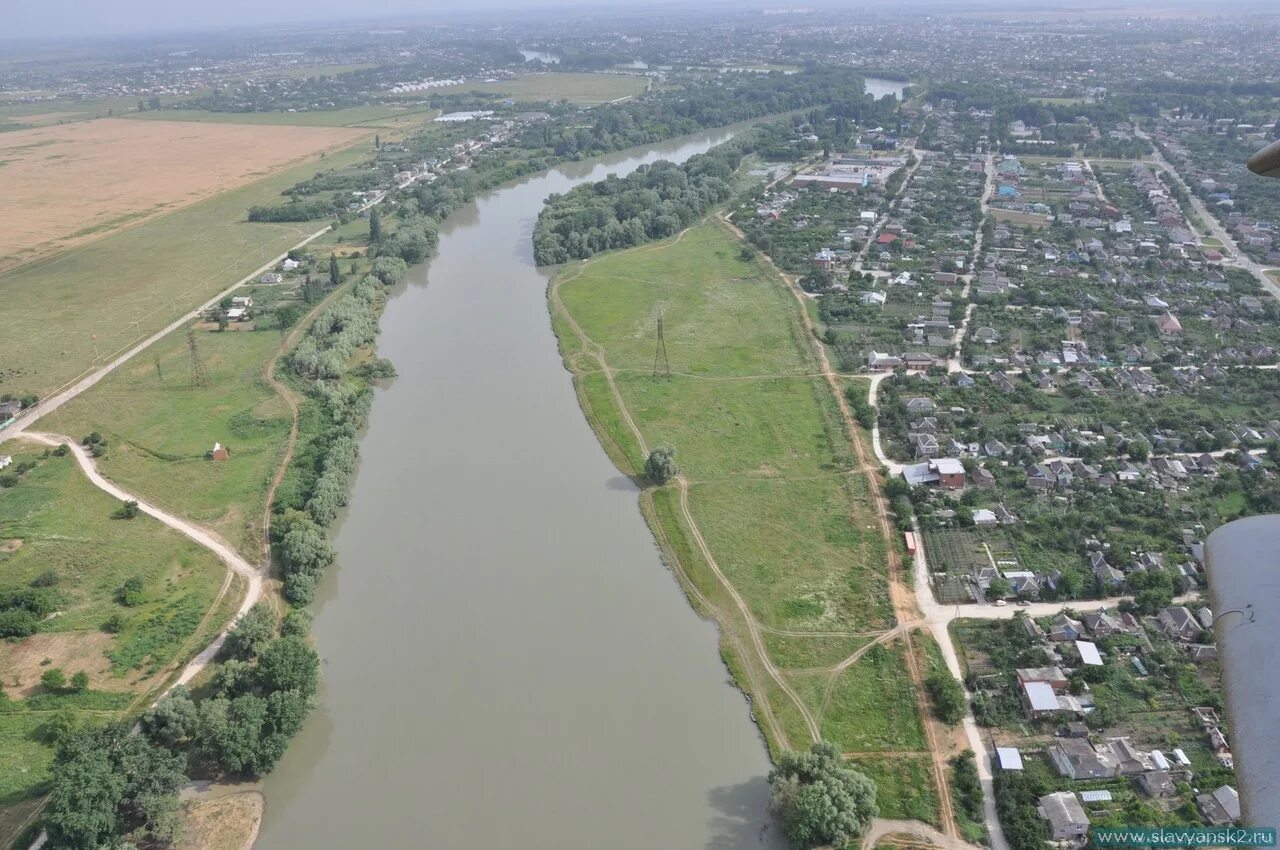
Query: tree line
(653, 202)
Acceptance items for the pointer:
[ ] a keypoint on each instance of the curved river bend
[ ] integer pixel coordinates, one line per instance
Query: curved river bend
(508, 662)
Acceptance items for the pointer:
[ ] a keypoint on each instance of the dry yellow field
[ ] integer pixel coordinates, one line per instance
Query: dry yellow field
(68, 184)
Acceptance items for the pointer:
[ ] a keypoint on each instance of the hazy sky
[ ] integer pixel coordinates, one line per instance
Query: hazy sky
(52, 18)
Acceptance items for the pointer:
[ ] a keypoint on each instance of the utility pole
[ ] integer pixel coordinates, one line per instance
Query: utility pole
(660, 355)
(159, 371)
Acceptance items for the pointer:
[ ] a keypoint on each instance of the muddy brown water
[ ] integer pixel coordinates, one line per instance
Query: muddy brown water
(508, 663)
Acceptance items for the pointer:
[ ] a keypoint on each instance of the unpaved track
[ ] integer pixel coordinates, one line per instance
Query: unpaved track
(209, 540)
(596, 351)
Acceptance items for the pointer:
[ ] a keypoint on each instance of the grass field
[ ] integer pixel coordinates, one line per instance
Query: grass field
(71, 184)
(370, 117)
(770, 486)
(576, 88)
(100, 298)
(904, 788)
(54, 519)
(159, 430)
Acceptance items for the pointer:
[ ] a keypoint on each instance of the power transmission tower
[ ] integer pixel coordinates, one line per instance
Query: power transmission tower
(199, 376)
(660, 355)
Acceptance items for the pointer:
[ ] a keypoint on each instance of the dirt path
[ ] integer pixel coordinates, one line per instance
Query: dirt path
(597, 352)
(904, 607)
(202, 536)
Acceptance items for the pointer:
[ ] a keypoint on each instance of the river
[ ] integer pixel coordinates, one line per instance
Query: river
(508, 663)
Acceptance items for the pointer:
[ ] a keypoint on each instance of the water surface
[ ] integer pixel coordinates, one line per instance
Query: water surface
(508, 663)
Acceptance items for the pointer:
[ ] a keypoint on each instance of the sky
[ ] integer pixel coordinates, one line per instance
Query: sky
(55, 18)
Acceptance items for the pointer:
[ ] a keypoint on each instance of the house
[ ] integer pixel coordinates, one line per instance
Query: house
(1129, 760)
(920, 405)
(9, 409)
(1065, 815)
(1063, 628)
(290, 264)
(981, 477)
(272, 277)
(1052, 676)
(244, 301)
(950, 473)
(1076, 758)
(1169, 326)
(1220, 807)
(878, 362)
(1157, 784)
(875, 298)
(983, 518)
(219, 452)
(1102, 623)
(1179, 623)
(237, 314)
(1039, 700)
(1009, 758)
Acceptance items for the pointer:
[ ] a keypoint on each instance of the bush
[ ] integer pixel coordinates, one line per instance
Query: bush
(130, 593)
(18, 623)
(48, 578)
(53, 679)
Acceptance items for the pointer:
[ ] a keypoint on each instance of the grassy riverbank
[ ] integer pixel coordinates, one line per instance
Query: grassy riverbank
(62, 537)
(771, 509)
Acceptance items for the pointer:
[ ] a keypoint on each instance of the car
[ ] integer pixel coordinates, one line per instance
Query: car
(1000, 603)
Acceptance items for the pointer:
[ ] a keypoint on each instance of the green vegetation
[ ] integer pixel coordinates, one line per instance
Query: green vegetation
(575, 88)
(820, 800)
(966, 792)
(66, 552)
(116, 290)
(160, 428)
(904, 787)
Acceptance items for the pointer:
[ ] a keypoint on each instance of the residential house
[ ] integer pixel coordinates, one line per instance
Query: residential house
(1063, 628)
(1052, 676)
(1157, 784)
(1220, 807)
(1066, 817)
(1179, 623)
(982, 478)
(1077, 759)
(983, 518)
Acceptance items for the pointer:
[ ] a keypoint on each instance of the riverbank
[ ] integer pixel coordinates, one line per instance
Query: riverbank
(771, 525)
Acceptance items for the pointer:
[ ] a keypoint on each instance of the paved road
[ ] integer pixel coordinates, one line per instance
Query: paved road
(1232, 255)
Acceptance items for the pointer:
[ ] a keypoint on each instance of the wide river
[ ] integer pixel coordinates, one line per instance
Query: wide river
(508, 663)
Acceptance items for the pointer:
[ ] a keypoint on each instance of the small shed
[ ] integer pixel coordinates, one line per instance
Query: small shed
(219, 452)
(1089, 653)
(1009, 758)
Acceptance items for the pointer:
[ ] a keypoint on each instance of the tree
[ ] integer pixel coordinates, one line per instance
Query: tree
(335, 274)
(999, 588)
(54, 679)
(252, 632)
(946, 695)
(375, 227)
(289, 664)
(79, 681)
(130, 593)
(660, 467)
(1139, 449)
(105, 783)
(173, 719)
(296, 623)
(819, 799)
(128, 510)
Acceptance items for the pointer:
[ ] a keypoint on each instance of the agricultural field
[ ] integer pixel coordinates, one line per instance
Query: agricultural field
(786, 522)
(159, 428)
(381, 117)
(584, 89)
(99, 298)
(71, 184)
(133, 600)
